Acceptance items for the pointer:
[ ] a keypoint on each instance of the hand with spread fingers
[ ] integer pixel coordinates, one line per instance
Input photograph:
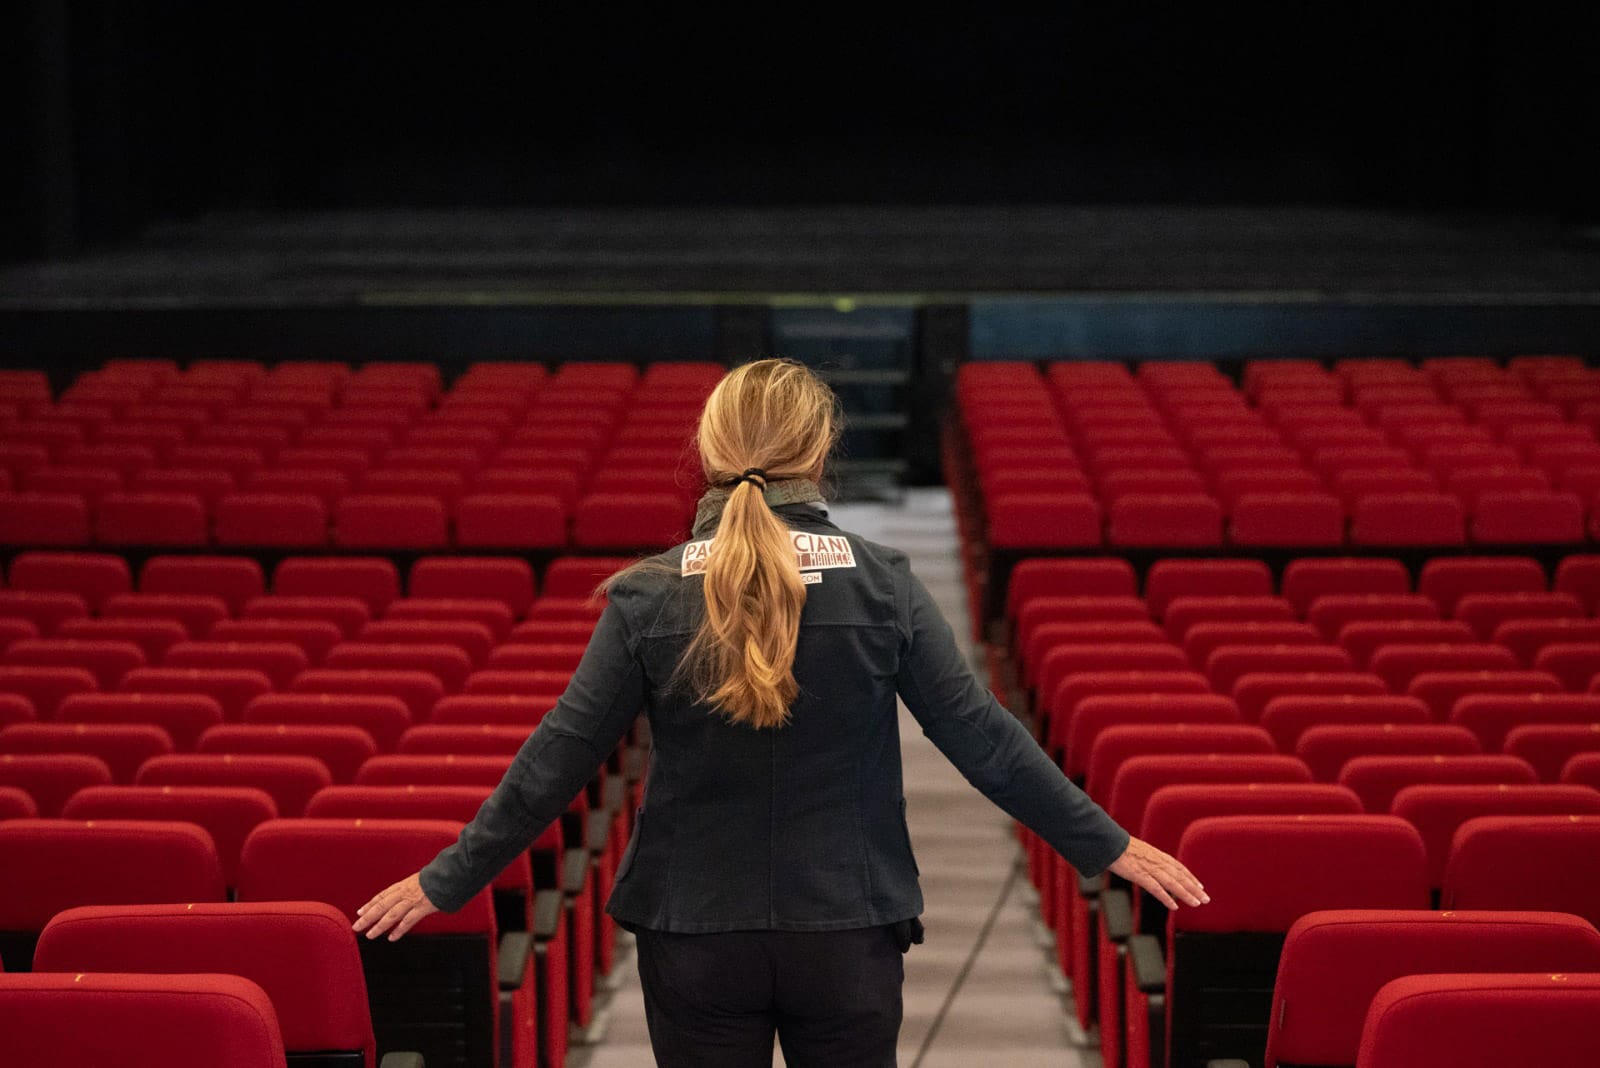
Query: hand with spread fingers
(1159, 874)
(401, 907)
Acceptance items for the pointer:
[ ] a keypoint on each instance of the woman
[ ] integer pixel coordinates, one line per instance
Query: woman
(770, 879)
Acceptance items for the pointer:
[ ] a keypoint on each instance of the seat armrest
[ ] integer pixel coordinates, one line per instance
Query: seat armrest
(516, 949)
(1116, 915)
(597, 833)
(574, 870)
(549, 906)
(402, 1060)
(1149, 967)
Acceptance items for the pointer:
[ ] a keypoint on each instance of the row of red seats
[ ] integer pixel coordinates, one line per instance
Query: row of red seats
(487, 985)
(230, 454)
(1173, 455)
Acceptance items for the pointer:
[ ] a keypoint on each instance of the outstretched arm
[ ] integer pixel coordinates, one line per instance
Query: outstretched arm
(557, 760)
(998, 756)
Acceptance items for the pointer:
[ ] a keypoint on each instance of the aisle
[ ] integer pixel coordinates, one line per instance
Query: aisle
(1005, 1009)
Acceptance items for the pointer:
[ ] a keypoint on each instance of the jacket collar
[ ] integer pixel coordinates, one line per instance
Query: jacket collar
(796, 501)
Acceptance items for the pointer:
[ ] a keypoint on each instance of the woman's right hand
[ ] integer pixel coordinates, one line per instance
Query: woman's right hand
(1159, 874)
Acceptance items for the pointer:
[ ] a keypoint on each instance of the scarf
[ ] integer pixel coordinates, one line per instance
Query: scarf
(788, 491)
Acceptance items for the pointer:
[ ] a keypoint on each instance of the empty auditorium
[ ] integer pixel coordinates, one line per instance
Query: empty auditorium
(600, 537)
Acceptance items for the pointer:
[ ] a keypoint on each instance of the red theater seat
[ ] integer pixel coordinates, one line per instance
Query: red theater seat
(153, 636)
(1492, 716)
(151, 519)
(447, 662)
(123, 746)
(1579, 575)
(108, 661)
(1255, 690)
(1043, 519)
(46, 687)
(1335, 962)
(1287, 718)
(1462, 1021)
(1377, 779)
(577, 576)
(1306, 580)
(1166, 520)
(1574, 663)
(43, 519)
(473, 639)
(290, 780)
(92, 576)
(511, 521)
(313, 637)
(627, 521)
(197, 612)
(51, 778)
(524, 710)
(1287, 520)
(228, 813)
(1448, 579)
(272, 520)
(383, 521)
(46, 611)
(1437, 811)
(1408, 519)
(348, 614)
(374, 580)
(383, 718)
(1326, 749)
(342, 862)
(1550, 747)
(1363, 638)
(97, 862)
(61, 1018)
(1527, 637)
(342, 749)
(1398, 664)
(493, 578)
(16, 804)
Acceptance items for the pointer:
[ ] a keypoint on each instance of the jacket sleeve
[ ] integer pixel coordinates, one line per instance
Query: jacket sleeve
(989, 746)
(558, 759)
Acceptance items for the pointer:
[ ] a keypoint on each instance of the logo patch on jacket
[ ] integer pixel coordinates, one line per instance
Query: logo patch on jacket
(813, 552)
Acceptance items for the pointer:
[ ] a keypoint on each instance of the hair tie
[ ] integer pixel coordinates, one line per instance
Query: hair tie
(753, 475)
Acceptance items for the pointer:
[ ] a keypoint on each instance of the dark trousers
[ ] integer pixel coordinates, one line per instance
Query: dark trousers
(715, 1000)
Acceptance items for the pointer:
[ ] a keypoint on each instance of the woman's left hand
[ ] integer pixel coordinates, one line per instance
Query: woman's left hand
(402, 906)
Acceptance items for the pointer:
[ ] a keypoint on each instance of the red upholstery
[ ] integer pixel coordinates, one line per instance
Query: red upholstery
(92, 576)
(373, 580)
(46, 687)
(46, 611)
(1318, 862)
(235, 579)
(1168, 579)
(1486, 611)
(1377, 779)
(153, 636)
(232, 688)
(95, 862)
(524, 710)
(197, 612)
(448, 663)
(1186, 612)
(290, 780)
(1326, 749)
(1335, 962)
(1172, 809)
(1582, 769)
(490, 613)
(1045, 519)
(421, 770)
(418, 689)
(496, 578)
(276, 520)
(138, 1021)
(153, 519)
(228, 813)
(1331, 612)
(1480, 1021)
(123, 746)
(313, 637)
(1255, 690)
(349, 614)
(1443, 690)
(109, 661)
(1492, 716)
(342, 749)
(1137, 780)
(1406, 519)
(382, 717)
(1448, 579)
(1287, 718)
(300, 952)
(50, 779)
(473, 639)
(1437, 811)
(1363, 638)
(15, 804)
(1198, 723)
(1549, 746)
(576, 576)
(1397, 664)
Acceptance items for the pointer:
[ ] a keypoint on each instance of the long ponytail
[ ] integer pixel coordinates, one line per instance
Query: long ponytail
(776, 417)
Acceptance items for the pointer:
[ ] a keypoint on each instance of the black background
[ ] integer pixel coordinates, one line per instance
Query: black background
(119, 114)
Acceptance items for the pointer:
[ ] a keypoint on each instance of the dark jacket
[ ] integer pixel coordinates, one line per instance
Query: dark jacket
(798, 828)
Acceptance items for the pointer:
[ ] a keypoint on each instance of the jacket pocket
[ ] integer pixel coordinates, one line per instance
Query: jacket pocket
(633, 845)
(905, 835)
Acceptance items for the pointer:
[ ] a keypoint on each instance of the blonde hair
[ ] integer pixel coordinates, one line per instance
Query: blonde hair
(778, 417)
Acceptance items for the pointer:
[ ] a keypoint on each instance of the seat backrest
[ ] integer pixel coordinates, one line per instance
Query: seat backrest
(1377, 779)
(344, 862)
(291, 780)
(1526, 862)
(1287, 718)
(1173, 809)
(138, 1021)
(1167, 579)
(373, 580)
(1437, 811)
(1306, 580)
(1265, 872)
(1549, 746)
(1131, 737)
(1140, 777)
(235, 579)
(95, 862)
(228, 813)
(1448, 579)
(1335, 962)
(1326, 749)
(500, 578)
(301, 953)
(1466, 1021)
(51, 778)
